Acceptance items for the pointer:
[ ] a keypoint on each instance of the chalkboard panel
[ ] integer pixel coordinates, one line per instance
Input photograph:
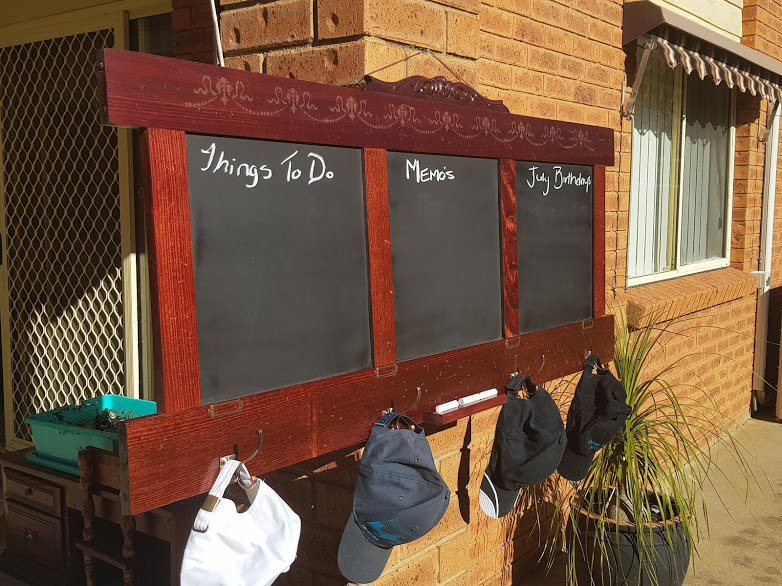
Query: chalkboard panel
(445, 252)
(280, 258)
(554, 223)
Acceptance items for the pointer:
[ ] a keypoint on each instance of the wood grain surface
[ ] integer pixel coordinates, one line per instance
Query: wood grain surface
(379, 243)
(171, 277)
(157, 92)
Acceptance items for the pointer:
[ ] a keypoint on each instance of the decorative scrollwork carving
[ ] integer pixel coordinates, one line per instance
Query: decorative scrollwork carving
(437, 89)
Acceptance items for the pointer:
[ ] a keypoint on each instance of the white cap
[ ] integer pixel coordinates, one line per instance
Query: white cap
(228, 548)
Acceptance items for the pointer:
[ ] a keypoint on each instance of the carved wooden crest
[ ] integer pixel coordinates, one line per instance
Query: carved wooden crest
(437, 89)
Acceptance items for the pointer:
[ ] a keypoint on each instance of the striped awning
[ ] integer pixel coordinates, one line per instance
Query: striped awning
(720, 65)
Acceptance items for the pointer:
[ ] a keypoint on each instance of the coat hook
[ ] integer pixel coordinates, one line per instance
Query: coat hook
(258, 447)
(542, 365)
(389, 410)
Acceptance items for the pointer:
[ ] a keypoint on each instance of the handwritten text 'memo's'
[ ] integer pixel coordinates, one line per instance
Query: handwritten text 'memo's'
(543, 180)
(253, 174)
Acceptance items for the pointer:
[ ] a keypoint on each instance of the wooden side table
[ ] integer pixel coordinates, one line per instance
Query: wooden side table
(44, 510)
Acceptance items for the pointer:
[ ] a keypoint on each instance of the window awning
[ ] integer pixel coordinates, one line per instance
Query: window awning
(682, 41)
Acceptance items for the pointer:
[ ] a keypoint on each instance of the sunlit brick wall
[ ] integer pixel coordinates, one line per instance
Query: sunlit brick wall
(545, 58)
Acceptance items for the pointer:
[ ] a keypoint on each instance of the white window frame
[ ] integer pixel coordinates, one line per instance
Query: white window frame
(705, 265)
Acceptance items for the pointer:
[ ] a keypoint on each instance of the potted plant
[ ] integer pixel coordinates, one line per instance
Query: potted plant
(636, 516)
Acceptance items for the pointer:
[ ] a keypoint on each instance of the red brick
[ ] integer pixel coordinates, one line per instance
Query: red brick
(422, 571)
(180, 19)
(497, 21)
(252, 62)
(546, 11)
(341, 18)
(462, 34)
(332, 64)
(428, 66)
(510, 51)
(521, 7)
(473, 6)
(529, 31)
(276, 24)
(415, 22)
(201, 16)
(190, 41)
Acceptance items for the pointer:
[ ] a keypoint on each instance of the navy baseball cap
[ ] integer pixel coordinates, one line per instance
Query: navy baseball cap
(528, 445)
(399, 497)
(597, 413)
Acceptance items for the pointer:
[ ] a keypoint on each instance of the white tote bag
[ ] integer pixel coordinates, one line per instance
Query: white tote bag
(251, 548)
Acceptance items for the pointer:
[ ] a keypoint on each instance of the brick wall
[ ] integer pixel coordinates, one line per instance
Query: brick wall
(193, 29)
(549, 58)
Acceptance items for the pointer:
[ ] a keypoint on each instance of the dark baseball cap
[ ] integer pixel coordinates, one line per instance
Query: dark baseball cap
(528, 445)
(399, 497)
(597, 413)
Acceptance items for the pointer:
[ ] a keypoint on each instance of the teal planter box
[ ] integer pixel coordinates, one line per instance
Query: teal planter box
(60, 434)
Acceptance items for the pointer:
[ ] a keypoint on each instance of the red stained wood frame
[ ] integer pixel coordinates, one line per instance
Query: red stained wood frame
(434, 418)
(510, 252)
(599, 246)
(172, 285)
(379, 244)
(173, 456)
(156, 92)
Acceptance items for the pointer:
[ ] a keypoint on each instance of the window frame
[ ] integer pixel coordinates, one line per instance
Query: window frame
(710, 264)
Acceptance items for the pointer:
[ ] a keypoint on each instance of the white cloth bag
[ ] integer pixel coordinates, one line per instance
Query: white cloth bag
(252, 548)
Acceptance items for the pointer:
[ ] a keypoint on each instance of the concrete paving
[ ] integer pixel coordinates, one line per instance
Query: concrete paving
(744, 545)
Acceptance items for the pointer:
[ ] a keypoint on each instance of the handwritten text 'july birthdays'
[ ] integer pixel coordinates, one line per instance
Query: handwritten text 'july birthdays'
(542, 179)
(253, 174)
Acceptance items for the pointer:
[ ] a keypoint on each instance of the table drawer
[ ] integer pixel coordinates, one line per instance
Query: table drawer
(34, 492)
(34, 535)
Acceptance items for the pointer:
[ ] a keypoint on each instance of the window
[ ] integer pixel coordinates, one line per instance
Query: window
(681, 175)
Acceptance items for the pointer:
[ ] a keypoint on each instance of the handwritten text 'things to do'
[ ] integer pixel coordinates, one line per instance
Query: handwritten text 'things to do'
(216, 162)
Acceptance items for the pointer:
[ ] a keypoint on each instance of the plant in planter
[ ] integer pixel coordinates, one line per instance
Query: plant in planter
(636, 516)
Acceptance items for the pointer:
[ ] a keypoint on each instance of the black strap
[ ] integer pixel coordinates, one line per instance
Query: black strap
(521, 382)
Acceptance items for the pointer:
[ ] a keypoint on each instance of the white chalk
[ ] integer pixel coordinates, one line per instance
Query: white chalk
(469, 400)
(491, 393)
(449, 406)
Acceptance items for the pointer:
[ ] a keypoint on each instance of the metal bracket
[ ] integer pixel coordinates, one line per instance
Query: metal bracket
(629, 106)
(773, 107)
(215, 410)
(386, 370)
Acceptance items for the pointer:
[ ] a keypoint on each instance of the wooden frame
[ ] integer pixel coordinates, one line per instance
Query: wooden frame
(158, 461)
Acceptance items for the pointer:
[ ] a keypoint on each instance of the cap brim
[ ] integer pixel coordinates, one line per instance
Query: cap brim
(496, 502)
(574, 466)
(358, 560)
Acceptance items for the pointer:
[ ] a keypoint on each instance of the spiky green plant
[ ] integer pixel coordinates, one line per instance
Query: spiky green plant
(660, 460)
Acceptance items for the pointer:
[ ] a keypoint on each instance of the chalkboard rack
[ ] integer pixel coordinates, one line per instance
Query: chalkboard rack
(170, 98)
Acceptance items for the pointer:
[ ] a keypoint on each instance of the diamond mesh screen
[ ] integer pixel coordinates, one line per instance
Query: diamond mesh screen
(64, 261)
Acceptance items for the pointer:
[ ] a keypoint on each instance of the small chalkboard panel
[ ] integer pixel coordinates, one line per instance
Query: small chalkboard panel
(280, 258)
(554, 223)
(445, 252)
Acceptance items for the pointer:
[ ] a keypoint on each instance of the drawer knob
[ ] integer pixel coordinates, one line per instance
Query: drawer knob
(31, 536)
(28, 492)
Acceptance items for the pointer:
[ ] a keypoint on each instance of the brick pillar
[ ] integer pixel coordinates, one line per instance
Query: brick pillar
(336, 41)
(194, 35)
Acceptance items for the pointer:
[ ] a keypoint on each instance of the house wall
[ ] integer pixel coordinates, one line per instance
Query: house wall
(544, 58)
(723, 16)
(762, 25)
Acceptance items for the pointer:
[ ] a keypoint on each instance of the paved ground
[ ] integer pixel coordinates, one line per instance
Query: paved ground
(744, 547)
(745, 543)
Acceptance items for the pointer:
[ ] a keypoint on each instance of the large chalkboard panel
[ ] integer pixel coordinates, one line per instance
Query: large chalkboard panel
(445, 252)
(280, 255)
(555, 240)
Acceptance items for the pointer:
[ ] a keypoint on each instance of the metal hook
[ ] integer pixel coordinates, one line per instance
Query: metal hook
(542, 365)
(389, 410)
(257, 448)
